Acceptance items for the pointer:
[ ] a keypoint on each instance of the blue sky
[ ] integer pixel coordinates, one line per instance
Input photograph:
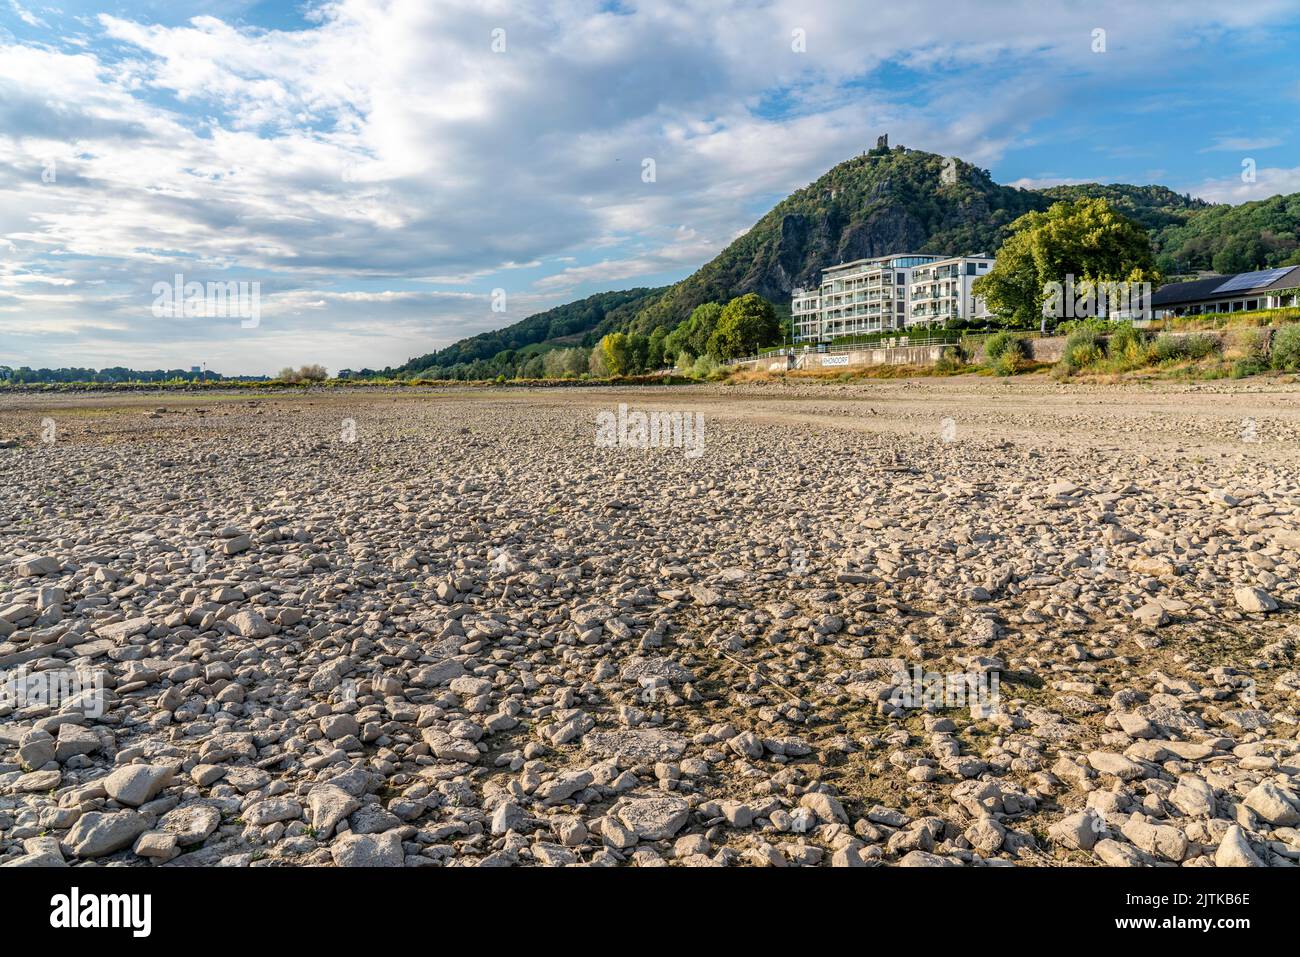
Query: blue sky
(380, 169)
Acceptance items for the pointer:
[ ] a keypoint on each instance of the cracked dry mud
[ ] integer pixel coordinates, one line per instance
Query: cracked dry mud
(470, 637)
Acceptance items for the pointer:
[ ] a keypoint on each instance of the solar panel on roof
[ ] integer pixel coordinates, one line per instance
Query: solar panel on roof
(1252, 280)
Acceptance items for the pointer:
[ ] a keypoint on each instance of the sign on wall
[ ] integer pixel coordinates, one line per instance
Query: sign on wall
(834, 361)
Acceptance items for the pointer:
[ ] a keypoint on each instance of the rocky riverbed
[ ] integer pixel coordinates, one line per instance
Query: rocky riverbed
(455, 628)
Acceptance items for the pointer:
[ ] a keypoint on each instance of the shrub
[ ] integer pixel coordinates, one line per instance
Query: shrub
(1085, 354)
(1082, 349)
(1169, 348)
(1250, 344)
(1125, 342)
(949, 361)
(1001, 343)
(1081, 337)
(1203, 346)
(1286, 349)
(1166, 348)
(307, 373)
(704, 367)
(1008, 363)
(1248, 366)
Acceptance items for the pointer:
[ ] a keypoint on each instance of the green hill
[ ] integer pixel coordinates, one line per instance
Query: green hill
(574, 323)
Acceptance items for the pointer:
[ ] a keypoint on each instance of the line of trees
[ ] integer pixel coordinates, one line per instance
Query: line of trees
(711, 334)
(25, 374)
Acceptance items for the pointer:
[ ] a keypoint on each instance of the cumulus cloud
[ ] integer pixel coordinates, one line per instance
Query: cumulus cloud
(1267, 182)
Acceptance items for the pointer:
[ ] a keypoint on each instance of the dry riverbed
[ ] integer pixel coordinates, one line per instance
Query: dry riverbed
(458, 628)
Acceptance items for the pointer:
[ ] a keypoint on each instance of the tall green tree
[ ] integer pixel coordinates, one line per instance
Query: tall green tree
(614, 352)
(747, 324)
(1086, 239)
(655, 353)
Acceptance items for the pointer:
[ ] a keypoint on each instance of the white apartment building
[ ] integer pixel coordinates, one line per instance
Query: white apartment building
(880, 294)
(942, 291)
(863, 296)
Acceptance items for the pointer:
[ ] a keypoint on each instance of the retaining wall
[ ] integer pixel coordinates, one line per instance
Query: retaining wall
(1042, 350)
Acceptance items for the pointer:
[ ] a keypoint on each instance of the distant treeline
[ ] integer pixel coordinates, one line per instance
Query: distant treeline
(25, 374)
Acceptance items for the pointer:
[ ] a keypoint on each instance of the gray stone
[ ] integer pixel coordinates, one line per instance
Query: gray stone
(368, 850)
(328, 805)
(97, 833)
(137, 784)
(654, 819)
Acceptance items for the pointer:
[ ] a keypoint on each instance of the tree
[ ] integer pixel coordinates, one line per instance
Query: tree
(615, 353)
(692, 333)
(655, 354)
(1241, 253)
(747, 324)
(553, 363)
(1086, 239)
(638, 354)
(700, 325)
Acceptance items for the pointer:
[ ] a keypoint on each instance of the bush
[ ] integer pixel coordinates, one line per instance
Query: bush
(1286, 349)
(1083, 336)
(1169, 348)
(1008, 362)
(1202, 346)
(1084, 355)
(1082, 349)
(1250, 344)
(307, 373)
(1001, 343)
(949, 361)
(1248, 366)
(1124, 342)
(704, 367)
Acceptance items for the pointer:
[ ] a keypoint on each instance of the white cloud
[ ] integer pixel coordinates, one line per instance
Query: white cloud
(1269, 181)
(1046, 180)
(1242, 144)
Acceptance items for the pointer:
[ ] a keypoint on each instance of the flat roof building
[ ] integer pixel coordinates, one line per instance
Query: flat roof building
(883, 293)
(1242, 292)
(941, 291)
